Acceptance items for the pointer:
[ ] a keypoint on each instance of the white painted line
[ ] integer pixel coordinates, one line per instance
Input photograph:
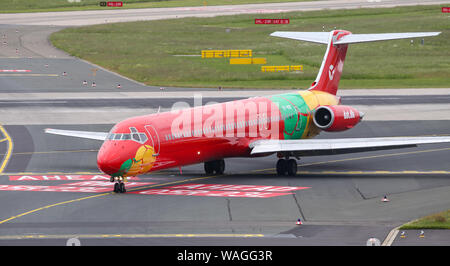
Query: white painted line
(32, 102)
(213, 94)
(390, 237)
(28, 75)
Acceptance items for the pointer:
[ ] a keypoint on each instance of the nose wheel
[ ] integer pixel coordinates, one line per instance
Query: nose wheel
(119, 186)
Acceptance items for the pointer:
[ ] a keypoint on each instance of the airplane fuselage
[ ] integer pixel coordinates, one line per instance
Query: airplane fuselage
(158, 141)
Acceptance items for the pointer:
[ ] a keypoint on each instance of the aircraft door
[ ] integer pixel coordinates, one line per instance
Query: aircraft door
(154, 138)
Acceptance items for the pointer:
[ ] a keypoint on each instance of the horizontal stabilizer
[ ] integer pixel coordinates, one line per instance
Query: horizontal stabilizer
(79, 134)
(337, 42)
(317, 37)
(324, 37)
(359, 38)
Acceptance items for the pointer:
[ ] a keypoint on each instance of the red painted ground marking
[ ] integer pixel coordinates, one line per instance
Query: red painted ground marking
(105, 184)
(207, 193)
(62, 177)
(237, 187)
(15, 70)
(53, 188)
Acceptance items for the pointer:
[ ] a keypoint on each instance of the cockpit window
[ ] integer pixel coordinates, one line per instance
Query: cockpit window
(143, 137)
(134, 136)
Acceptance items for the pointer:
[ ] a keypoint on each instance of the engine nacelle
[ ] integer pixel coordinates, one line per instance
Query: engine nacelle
(336, 117)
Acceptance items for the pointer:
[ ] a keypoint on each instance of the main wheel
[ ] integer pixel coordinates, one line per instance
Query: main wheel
(209, 168)
(291, 167)
(281, 167)
(219, 166)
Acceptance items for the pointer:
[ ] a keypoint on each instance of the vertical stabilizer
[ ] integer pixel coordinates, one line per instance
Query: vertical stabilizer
(330, 72)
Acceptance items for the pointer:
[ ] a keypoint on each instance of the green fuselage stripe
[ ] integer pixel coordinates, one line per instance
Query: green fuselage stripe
(294, 114)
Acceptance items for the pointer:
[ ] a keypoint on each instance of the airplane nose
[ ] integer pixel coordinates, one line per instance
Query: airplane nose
(109, 162)
(103, 163)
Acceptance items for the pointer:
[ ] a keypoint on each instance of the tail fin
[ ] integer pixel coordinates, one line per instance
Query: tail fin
(327, 79)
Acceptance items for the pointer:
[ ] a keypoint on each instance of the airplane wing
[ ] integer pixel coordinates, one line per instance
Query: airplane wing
(79, 134)
(311, 147)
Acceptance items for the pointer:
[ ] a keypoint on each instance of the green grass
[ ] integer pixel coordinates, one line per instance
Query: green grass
(144, 51)
(435, 221)
(21, 6)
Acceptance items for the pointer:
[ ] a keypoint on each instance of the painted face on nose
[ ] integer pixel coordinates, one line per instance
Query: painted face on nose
(125, 154)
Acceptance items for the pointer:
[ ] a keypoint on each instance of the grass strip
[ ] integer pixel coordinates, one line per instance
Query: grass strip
(436, 221)
(26, 6)
(166, 52)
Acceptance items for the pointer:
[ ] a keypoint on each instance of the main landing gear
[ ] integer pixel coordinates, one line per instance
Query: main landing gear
(287, 167)
(217, 167)
(119, 186)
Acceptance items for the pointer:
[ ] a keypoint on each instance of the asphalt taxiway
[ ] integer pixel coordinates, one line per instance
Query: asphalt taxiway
(342, 205)
(339, 203)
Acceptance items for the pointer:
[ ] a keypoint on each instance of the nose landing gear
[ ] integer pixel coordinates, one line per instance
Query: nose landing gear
(119, 186)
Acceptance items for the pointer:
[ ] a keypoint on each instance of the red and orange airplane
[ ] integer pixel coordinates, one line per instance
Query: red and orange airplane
(259, 126)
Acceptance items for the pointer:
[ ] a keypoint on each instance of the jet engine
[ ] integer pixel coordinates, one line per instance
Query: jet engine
(336, 117)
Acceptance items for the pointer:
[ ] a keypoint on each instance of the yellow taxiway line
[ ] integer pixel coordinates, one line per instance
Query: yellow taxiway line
(100, 195)
(53, 205)
(10, 148)
(19, 237)
(373, 172)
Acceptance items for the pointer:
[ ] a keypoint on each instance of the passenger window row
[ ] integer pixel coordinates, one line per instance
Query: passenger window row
(229, 126)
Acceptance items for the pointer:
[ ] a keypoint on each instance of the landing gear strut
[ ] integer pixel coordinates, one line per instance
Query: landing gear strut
(217, 166)
(287, 167)
(119, 186)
